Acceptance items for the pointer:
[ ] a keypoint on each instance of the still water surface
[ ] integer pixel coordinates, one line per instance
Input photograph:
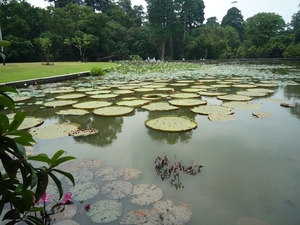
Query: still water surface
(251, 166)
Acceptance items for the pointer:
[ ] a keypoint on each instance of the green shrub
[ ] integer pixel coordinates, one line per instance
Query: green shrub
(97, 71)
(135, 58)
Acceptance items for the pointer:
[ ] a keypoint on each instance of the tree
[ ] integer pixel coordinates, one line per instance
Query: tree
(295, 22)
(212, 22)
(45, 44)
(234, 18)
(3, 43)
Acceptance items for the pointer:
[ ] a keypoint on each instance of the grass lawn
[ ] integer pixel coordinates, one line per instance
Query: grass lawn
(24, 71)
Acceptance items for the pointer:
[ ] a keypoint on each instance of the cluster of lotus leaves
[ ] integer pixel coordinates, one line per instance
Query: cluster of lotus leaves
(81, 176)
(171, 124)
(131, 173)
(55, 130)
(146, 194)
(113, 111)
(261, 115)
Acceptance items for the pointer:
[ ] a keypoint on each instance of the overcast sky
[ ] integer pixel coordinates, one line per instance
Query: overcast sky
(218, 8)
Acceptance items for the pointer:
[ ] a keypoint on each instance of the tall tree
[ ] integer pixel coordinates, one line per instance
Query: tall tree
(234, 18)
(102, 6)
(212, 22)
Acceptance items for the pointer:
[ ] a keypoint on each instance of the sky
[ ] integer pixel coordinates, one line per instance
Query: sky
(218, 8)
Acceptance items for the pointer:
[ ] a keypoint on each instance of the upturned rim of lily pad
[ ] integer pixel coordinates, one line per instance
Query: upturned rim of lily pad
(104, 96)
(184, 95)
(261, 115)
(220, 117)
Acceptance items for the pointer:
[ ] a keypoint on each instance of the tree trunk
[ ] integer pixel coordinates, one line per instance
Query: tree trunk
(161, 48)
(171, 47)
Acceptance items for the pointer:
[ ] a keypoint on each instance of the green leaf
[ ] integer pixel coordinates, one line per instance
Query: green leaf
(36, 209)
(5, 43)
(11, 215)
(4, 124)
(34, 220)
(41, 185)
(68, 175)
(6, 101)
(58, 184)
(41, 158)
(23, 137)
(18, 119)
(11, 167)
(58, 154)
(64, 159)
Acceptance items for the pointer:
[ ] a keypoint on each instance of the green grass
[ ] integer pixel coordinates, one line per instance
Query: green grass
(24, 71)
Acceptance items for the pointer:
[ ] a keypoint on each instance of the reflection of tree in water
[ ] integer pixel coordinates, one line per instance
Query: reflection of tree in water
(171, 137)
(292, 93)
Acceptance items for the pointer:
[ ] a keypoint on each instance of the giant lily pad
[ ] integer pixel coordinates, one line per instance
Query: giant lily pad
(232, 97)
(244, 85)
(211, 94)
(131, 173)
(104, 96)
(81, 176)
(263, 90)
(159, 106)
(70, 96)
(67, 222)
(83, 164)
(143, 89)
(28, 121)
(210, 109)
(191, 90)
(74, 112)
(98, 92)
(105, 211)
(110, 173)
(60, 90)
(171, 123)
(261, 115)
(241, 105)
(20, 98)
(141, 216)
(152, 97)
(123, 92)
(220, 117)
(251, 93)
(184, 95)
(134, 103)
(113, 111)
(52, 131)
(65, 212)
(146, 194)
(164, 89)
(117, 189)
(92, 104)
(187, 102)
(59, 103)
(85, 190)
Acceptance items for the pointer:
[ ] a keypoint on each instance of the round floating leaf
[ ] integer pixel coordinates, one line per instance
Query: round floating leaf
(210, 109)
(59, 103)
(146, 194)
(117, 189)
(28, 121)
(244, 85)
(262, 90)
(141, 216)
(221, 85)
(110, 173)
(98, 92)
(220, 117)
(105, 211)
(68, 212)
(131, 173)
(85, 89)
(173, 214)
(56, 130)
(84, 191)
(143, 89)
(83, 132)
(127, 87)
(164, 89)
(202, 87)
(159, 106)
(211, 94)
(83, 164)
(67, 222)
(20, 98)
(133, 103)
(241, 105)
(92, 104)
(262, 114)
(129, 98)
(171, 123)
(232, 97)
(123, 92)
(113, 111)
(74, 112)
(154, 86)
(251, 93)
(267, 85)
(179, 84)
(184, 95)
(81, 176)
(104, 96)
(192, 90)
(187, 102)
(71, 96)
(62, 90)
(152, 97)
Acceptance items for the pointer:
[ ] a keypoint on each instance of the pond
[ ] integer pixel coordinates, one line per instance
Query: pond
(251, 166)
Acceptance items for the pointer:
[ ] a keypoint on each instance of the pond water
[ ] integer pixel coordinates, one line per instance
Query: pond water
(251, 166)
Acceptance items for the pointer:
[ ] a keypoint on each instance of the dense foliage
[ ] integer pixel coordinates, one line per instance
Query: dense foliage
(90, 30)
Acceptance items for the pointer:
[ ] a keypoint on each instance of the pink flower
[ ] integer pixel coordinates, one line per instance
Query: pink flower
(87, 207)
(44, 198)
(67, 198)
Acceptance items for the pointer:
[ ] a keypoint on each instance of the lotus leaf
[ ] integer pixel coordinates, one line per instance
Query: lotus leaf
(68, 212)
(52, 191)
(85, 89)
(211, 94)
(105, 211)
(59, 103)
(83, 132)
(143, 89)
(131, 173)
(225, 82)
(164, 89)
(81, 176)
(274, 100)
(171, 123)
(133, 103)
(173, 214)
(191, 90)
(241, 105)
(220, 117)
(184, 95)
(92, 104)
(127, 87)
(141, 216)
(110, 173)
(70, 96)
(187, 102)
(20, 98)
(159, 106)
(251, 93)
(146, 194)
(83, 164)
(52, 131)
(103, 88)
(84, 191)
(104, 96)
(267, 85)
(244, 85)
(115, 85)
(262, 114)
(30, 122)
(98, 92)
(117, 189)
(123, 92)
(113, 111)
(74, 112)
(232, 97)
(263, 90)
(210, 109)
(67, 222)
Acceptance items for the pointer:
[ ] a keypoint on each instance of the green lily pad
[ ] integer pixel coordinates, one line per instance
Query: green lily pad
(159, 106)
(152, 97)
(65, 212)
(67, 222)
(83, 164)
(211, 94)
(110, 173)
(85, 89)
(123, 92)
(85, 190)
(52, 131)
(92, 104)
(104, 96)
(179, 84)
(244, 85)
(117, 189)
(105, 211)
(83, 132)
(164, 89)
(261, 115)
(220, 117)
(251, 93)
(59, 103)
(232, 97)
(171, 124)
(28, 121)
(74, 112)
(241, 105)
(133, 103)
(144, 89)
(263, 90)
(81, 176)
(212, 109)
(60, 90)
(127, 87)
(71, 96)
(267, 85)
(146, 194)
(190, 90)
(221, 85)
(184, 95)
(154, 86)
(113, 111)
(131, 173)
(20, 98)
(98, 92)
(187, 102)
(141, 216)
